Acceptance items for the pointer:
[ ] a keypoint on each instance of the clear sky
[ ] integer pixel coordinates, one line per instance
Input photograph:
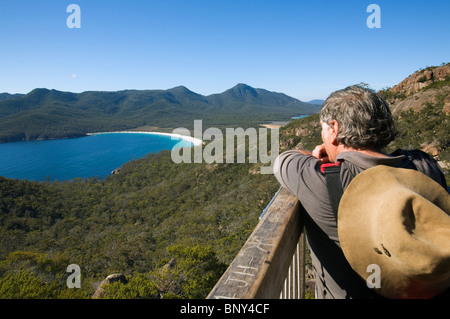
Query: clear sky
(305, 49)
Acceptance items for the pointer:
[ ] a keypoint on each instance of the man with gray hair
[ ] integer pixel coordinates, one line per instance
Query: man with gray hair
(356, 125)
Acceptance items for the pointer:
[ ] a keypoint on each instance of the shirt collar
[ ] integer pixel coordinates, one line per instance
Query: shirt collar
(366, 161)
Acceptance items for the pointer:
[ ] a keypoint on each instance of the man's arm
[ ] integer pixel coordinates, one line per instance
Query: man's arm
(288, 166)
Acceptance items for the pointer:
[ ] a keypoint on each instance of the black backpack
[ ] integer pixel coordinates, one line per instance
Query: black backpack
(417, 160)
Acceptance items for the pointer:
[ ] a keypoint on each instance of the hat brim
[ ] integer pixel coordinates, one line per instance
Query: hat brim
(397, 220)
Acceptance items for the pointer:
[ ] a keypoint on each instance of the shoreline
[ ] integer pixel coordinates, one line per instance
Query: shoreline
(190, 139)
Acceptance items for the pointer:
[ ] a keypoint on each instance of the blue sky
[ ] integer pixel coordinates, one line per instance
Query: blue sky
(306, 49)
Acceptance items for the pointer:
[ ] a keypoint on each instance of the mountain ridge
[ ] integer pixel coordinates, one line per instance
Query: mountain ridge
(47, 113)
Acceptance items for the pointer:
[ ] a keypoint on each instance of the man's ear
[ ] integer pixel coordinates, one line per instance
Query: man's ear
(334, 131)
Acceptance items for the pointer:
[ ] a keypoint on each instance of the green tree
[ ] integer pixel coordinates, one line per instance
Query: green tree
(191, 272)
(24, 285)
(197, 269)
(139, 286)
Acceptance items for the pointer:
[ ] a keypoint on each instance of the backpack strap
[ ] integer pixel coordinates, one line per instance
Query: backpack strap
(423, 162)
(412, 156)
(332, 172)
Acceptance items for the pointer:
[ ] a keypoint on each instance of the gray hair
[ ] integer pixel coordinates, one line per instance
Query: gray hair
(365, 120)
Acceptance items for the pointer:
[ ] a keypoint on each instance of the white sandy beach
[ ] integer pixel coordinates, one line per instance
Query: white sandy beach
(191, 139)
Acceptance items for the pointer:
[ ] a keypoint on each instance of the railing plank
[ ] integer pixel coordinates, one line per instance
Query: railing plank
(259, 269)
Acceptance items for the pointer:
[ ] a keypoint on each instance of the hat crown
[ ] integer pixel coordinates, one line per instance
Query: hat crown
(399, 220)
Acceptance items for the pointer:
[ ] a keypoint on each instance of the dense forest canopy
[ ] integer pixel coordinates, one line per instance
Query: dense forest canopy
(133, 222)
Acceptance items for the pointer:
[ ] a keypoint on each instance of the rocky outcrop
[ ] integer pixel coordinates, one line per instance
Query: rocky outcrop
(428, 88)
(411, 93)
(421, 79)
(116, 171)
(447, 105)
(431, 149)
(108, 280)
(418, 101)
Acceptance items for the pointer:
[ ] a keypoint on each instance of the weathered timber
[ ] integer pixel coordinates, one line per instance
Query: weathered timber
(261, 266)
(295, 282)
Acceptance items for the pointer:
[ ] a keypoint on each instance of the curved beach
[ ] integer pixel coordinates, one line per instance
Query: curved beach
(187, 138)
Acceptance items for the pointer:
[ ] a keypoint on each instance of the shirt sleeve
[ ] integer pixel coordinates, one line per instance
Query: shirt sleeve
(293, 169)
(301, 174)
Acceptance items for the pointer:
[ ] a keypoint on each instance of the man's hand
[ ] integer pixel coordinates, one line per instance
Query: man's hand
(320, 153)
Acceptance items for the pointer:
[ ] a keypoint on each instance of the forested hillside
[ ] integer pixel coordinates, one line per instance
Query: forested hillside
(421, 105)
(46, 114)
(132, 223)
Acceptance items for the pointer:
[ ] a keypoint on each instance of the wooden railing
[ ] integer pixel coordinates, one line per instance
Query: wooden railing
(271, 264)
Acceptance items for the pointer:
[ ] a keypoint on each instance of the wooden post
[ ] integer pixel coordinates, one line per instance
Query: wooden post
(259, 269)
(302, 261)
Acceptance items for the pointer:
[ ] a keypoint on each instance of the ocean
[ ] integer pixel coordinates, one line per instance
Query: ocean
(95, 155)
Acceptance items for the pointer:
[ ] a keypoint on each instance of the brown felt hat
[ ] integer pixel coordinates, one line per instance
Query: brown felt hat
(398, 220)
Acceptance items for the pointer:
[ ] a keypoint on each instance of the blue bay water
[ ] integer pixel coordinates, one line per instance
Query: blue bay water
(299, 117)
(91, 156)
